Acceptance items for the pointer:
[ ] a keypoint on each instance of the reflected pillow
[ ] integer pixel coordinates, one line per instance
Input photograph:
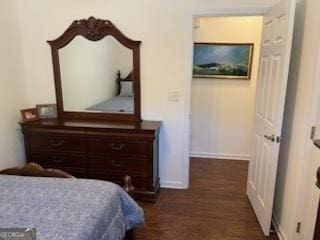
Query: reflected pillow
(126, 89)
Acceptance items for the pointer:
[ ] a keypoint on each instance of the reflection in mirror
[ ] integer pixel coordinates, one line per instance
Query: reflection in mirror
(89, 76)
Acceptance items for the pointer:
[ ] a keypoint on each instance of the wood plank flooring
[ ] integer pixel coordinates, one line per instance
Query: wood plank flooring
(214, 207)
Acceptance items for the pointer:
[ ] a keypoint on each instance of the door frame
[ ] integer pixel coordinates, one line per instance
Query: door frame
(224, 12)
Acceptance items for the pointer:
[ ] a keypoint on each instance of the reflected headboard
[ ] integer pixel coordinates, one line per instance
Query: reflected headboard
(128, 78)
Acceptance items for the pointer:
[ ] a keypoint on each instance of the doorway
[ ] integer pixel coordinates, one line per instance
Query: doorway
(222, 110)
(268, 114)
(222, 106)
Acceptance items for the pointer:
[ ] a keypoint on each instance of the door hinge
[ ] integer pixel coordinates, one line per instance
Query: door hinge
(313, 132)
(298, 229)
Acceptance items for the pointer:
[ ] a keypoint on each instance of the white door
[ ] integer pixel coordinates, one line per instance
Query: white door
(271, 90)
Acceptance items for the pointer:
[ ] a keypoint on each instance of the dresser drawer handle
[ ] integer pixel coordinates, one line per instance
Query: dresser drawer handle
(115, 147)
(117, 164)
(56, 159)
(56, 144)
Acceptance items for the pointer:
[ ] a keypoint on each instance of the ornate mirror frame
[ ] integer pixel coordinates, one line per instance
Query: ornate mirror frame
(94, 30)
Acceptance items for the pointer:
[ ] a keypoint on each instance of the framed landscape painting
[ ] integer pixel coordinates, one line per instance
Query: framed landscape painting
(222, 60)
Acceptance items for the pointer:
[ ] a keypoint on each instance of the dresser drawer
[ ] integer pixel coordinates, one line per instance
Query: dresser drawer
(137, 181)
(118, 165)
(65, 162)
(118, 147)
(56, 143)
(98, 149)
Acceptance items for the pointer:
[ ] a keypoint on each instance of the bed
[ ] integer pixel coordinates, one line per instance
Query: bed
(122, 102)
(68, 208)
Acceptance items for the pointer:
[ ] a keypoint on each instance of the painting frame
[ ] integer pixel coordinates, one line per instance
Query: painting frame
(47, 111)
(248, 65)
(29, 115)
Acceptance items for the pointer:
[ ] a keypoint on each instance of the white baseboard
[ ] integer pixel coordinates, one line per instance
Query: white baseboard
(172, 184)
(180, 185)
(220, 156)
(280, 232)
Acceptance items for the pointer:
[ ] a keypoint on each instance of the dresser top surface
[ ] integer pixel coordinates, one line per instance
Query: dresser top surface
(97, 124)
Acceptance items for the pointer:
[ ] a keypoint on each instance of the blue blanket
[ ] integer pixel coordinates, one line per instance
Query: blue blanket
(67, 209)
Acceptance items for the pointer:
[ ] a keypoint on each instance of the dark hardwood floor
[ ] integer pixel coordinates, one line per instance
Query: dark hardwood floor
(214, 207)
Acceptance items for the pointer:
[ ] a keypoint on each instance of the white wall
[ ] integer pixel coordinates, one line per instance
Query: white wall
(222, 109)
(12, 86)
(209, 6)
(164, 59)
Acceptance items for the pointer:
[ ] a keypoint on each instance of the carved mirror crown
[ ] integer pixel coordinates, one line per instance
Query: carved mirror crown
(99, 78)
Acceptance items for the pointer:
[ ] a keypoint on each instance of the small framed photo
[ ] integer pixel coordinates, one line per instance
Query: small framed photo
(29, 115)
(47, 111)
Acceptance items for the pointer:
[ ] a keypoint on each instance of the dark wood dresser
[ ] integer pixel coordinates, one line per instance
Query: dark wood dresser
(99, 150)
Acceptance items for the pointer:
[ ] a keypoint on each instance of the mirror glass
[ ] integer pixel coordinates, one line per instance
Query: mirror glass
(89, 76)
